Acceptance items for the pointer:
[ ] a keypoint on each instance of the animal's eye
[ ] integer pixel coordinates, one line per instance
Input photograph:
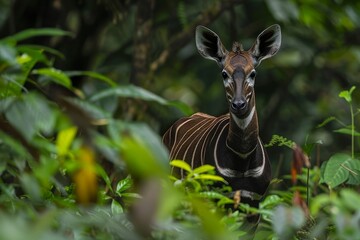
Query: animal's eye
(252, 74)
(224, 75)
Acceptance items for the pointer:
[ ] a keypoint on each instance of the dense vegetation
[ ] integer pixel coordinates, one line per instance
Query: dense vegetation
(88, 87)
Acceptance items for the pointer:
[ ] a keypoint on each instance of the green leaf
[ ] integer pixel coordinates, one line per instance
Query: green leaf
(131, 91)
(141, 159)
(116, 207)
(36, 32)
(347, 94)
(14, 145)
(131, 195)
(326, 121)
(347, 131)
(55, 75)
(35, 54)
(353, 166)
(31, 186)
(64, 140)
(212, 195)
(334, 173)
(101, 172)
(210, 177)
(93, 111)
(318, 203)
(351, 199)
(41, 48)
(270, 202)
(7, 54)
(124, 184)
(31, 114)
(91, 74)
(181, 164)
(203, 169)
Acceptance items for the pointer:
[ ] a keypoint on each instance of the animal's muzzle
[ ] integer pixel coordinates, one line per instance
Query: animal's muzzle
(239, 107)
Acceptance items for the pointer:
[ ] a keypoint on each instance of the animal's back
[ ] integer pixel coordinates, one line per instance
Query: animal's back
(190, 138)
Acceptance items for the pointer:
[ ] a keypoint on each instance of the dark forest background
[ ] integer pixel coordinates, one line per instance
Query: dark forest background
(150, 44)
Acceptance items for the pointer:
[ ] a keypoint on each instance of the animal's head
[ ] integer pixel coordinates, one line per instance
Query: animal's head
(238, 66)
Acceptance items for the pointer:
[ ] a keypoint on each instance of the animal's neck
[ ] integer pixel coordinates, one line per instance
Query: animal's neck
(243, 133)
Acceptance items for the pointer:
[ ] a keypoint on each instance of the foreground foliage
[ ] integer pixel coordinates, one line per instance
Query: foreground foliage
(70, 170)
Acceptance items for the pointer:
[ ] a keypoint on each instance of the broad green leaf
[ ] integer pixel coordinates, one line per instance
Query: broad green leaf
(210, 177)
(31, 186)
(131, 91)
(181, 164)
(351, 199)
(271, 201)
(36, 32)
(101, 172)
(212, 195)
(318, 203)
(131, 195)
(140, 159)
(14, 145)
(353, 166)
(7, 54)
(116, 207)
(42, 48)
(31, 114)
(210, 221)
(5, 103)
(97, 114)
(35, 54)
(334, 173)
(203, 169)
(45, 170)
(124, 184)
(55, 75)
(92, 75)
(347, 131)
(64, 140)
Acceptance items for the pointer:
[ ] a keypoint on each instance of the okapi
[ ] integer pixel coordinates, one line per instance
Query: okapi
(230, 142)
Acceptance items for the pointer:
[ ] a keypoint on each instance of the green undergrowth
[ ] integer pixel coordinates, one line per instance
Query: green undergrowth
(72, 168)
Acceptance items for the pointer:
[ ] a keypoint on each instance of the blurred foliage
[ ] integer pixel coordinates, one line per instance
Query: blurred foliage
(88, 87)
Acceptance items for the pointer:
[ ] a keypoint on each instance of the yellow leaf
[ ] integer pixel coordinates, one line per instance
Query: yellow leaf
(85, 178)
(64, 140)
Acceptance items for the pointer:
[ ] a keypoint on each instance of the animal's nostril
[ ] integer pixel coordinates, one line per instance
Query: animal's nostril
(238, 105)
(233, 105)
(242, 105)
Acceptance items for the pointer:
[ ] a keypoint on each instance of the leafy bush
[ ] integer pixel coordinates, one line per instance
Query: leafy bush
(71, 170)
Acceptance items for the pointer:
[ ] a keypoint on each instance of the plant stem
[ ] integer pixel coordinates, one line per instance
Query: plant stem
(352, 131)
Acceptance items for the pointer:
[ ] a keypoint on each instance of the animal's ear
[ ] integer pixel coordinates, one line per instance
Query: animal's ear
(209, 45)
(267, 44)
